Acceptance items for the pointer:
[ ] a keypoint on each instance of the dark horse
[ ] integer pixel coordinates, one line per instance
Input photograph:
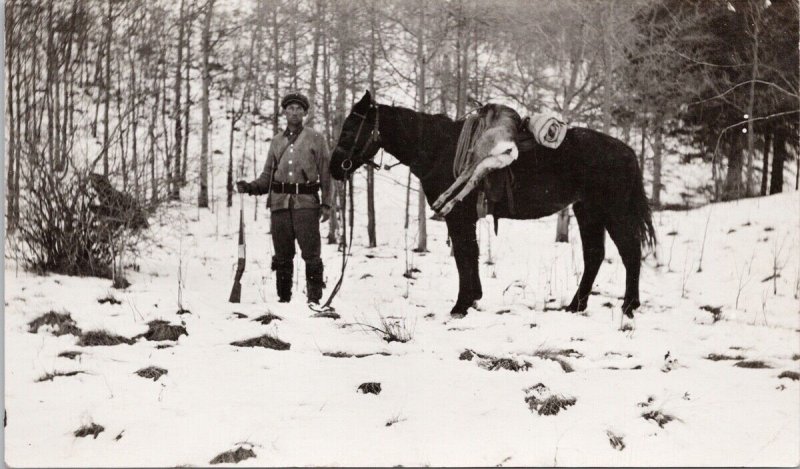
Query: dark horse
(596, 173)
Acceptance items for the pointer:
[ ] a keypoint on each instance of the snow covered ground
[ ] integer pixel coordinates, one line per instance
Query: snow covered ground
(651, 397)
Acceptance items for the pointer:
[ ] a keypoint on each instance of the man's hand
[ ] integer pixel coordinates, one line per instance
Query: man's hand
(243, 187)
(324, 214)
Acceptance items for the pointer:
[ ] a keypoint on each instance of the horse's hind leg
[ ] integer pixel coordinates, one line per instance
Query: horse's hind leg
(591, 225)
(462, 178)
(622, 231)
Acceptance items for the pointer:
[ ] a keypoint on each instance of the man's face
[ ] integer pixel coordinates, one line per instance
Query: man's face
(294, 114)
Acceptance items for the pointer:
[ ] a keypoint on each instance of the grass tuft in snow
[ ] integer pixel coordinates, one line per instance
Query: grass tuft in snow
(715, 357)
(233, 457)
(102, 338)
(267, 318)
(755, 364)
(370, 388)
(87, 430)
(266, 341)
(71, 355)
(658, 417)
(162, 330)
(109, 299)
(615, 440)
(391, 329)
(556, 356)
(793, 375)
(327, 314)
(50, 376)
(350, 355)
(491, 363)
(716, 312)
(544, 402)
(61, 324)
(152, 372)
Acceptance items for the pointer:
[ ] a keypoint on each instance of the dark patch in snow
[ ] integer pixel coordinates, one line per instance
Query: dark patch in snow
(755, 364)
(327, 314)
(793, 375)
(233, 457)
(102, 338)
(370, 388)
(240, 315)
(715, 357)
(351, 355)
(70, 355)
(544, 402)
(267, 318)
(61, 323)
(658, 417)
(152, 372)
(491, 363)
(615, 441)
(87, 430)
(183, 311)
(159, 330)
(366, 276)
(50, 376)
(109, 299)
(265, 341)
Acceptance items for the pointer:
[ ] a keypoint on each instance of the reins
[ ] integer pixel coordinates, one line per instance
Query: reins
(346, 165)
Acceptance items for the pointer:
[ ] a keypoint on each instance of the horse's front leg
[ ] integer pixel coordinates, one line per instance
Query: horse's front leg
(465, 251)
(453, 187)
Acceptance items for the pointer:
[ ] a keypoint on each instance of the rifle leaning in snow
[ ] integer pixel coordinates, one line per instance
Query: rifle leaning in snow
(236, 291)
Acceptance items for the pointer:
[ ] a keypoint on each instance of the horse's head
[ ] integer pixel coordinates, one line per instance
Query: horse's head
(359, 139)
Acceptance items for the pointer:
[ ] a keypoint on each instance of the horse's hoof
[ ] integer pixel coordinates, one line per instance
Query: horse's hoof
(627, 324)
(458, 314)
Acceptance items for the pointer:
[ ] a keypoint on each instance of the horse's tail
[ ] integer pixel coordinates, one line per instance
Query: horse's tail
(640, 208)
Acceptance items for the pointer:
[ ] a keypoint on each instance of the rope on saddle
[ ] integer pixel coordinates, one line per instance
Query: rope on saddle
(474, 126)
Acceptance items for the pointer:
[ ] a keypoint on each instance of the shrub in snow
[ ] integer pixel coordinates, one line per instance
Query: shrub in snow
(658, 417)
(615, 441)
(76, 223)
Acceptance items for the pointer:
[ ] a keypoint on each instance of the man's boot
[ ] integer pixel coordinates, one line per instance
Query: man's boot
(284, 271)
(314, 281)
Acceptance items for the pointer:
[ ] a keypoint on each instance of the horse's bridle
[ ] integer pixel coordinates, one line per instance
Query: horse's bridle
(374, 137)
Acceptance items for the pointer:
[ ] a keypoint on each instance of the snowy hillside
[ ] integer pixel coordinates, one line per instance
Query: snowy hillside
(708, 377)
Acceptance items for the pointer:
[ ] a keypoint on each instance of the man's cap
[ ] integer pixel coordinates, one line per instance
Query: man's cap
(295, 97)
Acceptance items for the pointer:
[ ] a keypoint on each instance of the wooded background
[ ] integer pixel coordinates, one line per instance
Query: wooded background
(116, 86)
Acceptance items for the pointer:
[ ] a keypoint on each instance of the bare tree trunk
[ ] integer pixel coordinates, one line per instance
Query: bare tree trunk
(658, 146)
(187, 107)
(276, 71)
(202, 199)
(312, 87)
(107, 82)
(755, 23)
(175, 192)
(765, 162)
(373, 241)
(422, 234)
(11, 151)
(779, 155)
(134, 98)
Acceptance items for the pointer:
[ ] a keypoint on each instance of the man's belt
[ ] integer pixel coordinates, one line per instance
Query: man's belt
(292, 188)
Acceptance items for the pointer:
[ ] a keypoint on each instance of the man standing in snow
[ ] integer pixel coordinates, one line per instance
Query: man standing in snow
(295, 171)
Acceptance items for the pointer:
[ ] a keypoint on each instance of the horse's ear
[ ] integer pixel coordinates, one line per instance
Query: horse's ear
(367, 98)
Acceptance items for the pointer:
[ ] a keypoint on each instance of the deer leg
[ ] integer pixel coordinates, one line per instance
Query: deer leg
(495, 161)
(462, 178)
